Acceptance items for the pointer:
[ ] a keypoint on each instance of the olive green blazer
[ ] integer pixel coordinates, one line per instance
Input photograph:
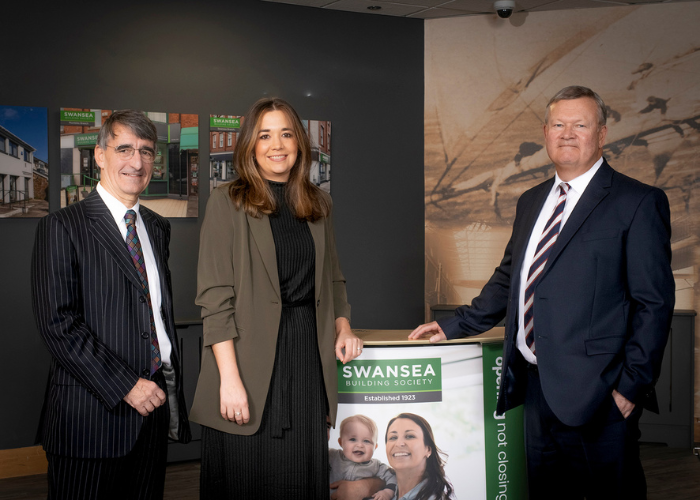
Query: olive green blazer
(239, 293)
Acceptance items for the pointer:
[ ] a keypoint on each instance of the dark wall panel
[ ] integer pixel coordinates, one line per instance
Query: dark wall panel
(363, 72)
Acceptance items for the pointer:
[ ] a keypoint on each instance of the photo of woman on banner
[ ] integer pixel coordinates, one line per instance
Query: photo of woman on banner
(416, 459)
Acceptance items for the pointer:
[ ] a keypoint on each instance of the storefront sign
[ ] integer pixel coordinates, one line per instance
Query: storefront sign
(83, 140)
(84, 118)
(223, 124)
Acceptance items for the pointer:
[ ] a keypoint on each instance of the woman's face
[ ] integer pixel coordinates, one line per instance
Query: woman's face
(405, 447)
(275, 147)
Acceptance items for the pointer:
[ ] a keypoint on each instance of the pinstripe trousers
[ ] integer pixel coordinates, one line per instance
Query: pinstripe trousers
(140, 474)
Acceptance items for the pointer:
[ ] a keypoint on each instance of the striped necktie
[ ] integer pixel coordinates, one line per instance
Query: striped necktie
(134, 246)
(544, 247)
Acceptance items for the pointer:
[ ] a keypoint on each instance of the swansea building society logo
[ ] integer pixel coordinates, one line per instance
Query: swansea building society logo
(79, 115)
(390, 380)
(224, 124)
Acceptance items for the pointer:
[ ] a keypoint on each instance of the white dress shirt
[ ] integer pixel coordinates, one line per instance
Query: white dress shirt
(118, 211)
(577, 187)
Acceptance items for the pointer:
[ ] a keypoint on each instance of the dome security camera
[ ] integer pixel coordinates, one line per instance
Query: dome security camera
(504, 8)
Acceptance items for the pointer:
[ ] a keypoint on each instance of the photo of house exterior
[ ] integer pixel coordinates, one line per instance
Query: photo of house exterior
(22, 132)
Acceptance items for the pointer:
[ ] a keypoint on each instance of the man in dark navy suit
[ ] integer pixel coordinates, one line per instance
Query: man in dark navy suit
(103, 304)
(587, 293)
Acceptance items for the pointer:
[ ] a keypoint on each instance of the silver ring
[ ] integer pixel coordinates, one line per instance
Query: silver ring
(238, 413)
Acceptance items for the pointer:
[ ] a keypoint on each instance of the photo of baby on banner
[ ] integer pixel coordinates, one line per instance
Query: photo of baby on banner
(422, 420)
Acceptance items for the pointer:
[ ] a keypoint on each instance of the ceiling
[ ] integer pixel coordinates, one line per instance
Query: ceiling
(433, 9)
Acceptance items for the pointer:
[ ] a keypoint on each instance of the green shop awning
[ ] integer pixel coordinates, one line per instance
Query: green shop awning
(189, 138)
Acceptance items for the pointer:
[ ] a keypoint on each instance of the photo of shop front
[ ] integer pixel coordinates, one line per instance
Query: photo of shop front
(320, 136)
(173, 189)
(223, 133)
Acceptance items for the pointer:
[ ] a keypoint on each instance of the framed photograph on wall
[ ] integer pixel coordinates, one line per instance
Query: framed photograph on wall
(24, 168)
(174, 187)
(223, 135)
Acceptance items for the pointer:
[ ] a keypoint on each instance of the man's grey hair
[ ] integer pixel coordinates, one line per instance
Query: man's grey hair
(139, 124)
(577, 92)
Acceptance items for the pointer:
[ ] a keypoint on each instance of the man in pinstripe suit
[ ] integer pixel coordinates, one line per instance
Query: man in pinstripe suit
(114, 394)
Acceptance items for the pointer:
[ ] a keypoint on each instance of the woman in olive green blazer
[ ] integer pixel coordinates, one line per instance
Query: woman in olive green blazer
(238, 290)
(268, 379)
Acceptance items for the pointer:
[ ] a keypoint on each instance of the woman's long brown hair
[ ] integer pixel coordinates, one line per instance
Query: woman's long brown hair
(251, 192)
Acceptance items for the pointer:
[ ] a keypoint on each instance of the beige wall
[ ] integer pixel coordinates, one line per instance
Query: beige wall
(487, 82)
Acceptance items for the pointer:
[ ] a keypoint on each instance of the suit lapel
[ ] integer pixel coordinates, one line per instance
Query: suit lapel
(157, 239)
(318, 233)
(595, 192)
(103, 228)
(262, 234)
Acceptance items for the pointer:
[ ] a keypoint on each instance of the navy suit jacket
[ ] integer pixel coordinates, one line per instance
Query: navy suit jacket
(603, 306)
(92, 313)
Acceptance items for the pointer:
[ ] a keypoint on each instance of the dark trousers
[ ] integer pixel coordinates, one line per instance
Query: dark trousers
(598, 460)
(138, 475)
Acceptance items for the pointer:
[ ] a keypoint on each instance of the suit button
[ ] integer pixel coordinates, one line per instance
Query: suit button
(144, 335)
(318, 302)
(145, 372)
(142, 299)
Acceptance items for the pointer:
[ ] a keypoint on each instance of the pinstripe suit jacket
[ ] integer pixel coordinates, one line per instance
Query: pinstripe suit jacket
(93, 315)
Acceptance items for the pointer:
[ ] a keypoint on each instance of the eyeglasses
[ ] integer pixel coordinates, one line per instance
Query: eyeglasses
(127, 153)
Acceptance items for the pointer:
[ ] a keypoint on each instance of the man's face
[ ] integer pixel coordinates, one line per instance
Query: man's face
(124, 179)
(573, 137)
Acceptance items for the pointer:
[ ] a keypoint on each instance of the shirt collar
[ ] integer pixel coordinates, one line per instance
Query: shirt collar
(580, 183)
(116, 207)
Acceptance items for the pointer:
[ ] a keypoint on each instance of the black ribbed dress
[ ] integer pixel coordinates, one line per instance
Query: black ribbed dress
(288, 457)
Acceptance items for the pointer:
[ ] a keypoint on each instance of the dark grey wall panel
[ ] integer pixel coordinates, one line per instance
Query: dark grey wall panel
(363, 72)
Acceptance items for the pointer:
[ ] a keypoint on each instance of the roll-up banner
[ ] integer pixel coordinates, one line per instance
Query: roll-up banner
(454, 389)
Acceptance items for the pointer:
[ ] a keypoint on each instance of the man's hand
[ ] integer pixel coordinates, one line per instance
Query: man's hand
(356, 490)
(431, 328)
(145, 396)
(623, 404)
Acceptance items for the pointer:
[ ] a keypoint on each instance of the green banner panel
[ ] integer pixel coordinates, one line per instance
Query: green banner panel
(506, 477)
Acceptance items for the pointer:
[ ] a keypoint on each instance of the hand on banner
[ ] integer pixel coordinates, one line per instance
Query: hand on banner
(348, 346)
(432, 329)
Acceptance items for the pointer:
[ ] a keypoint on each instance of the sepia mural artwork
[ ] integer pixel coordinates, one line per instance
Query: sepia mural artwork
(485, 98)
